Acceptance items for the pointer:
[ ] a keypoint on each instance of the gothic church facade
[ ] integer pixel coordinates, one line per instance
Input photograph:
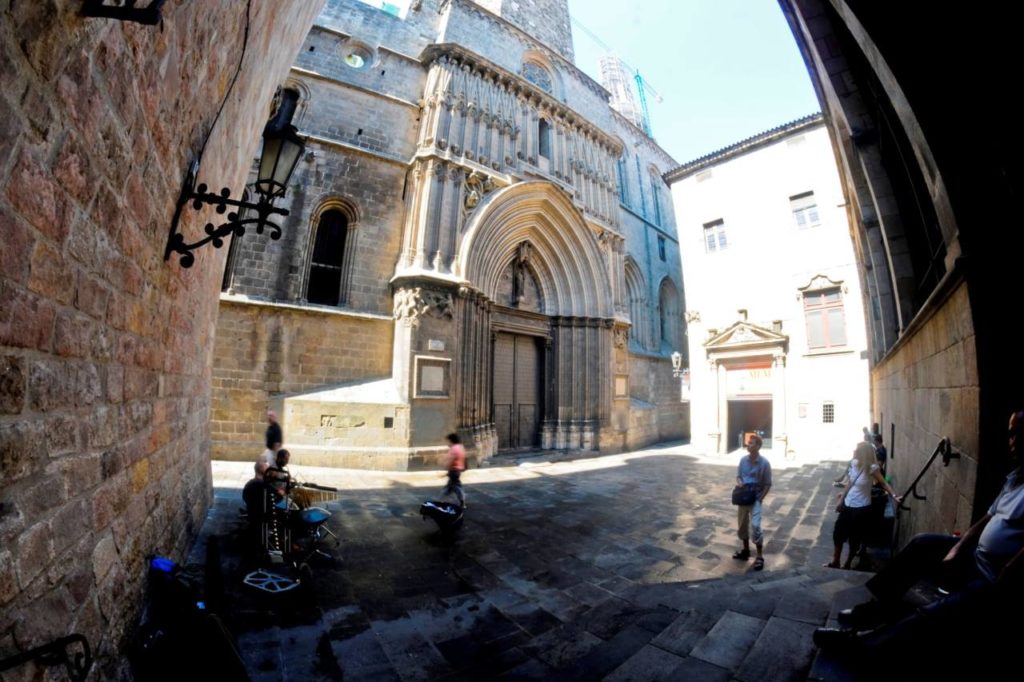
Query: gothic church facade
(477, 242)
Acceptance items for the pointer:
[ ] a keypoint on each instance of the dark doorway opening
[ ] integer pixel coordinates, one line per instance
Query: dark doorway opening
(747, 417)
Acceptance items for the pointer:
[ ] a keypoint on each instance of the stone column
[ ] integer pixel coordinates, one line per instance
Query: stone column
(722, 416)
(779, 405)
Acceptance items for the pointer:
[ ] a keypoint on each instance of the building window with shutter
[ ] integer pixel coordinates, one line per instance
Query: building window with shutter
(826, 320)
(805, 210)
(714, 236)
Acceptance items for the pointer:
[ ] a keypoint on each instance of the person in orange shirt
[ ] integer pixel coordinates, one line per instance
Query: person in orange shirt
(456, 465)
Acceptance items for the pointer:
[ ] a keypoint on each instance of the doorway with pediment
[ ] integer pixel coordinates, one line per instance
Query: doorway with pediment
(748, 387)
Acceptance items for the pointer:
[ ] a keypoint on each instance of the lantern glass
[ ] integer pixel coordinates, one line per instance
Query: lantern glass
(281, 151)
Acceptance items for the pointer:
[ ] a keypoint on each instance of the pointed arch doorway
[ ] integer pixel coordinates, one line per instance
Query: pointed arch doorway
(536, 289)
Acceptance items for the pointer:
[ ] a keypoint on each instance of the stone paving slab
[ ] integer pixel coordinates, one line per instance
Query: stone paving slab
(557, 574)
(727, 643)
(782, 653)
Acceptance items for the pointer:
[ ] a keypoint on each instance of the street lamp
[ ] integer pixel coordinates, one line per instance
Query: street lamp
(282, 148)
(682, 373)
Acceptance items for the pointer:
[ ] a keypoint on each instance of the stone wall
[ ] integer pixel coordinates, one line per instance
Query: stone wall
(656, 413)
(928, 386)
(104, 346)
(265, 352)
(361, 144)
(484, 34)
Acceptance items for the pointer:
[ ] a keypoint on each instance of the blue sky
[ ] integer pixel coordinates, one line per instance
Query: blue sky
(726, 69)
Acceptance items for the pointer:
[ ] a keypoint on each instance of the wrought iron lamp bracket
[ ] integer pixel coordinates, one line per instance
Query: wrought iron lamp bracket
(198, 196)
(125, 10)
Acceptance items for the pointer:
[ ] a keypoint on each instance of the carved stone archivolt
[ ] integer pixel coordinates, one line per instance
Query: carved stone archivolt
(412, 304)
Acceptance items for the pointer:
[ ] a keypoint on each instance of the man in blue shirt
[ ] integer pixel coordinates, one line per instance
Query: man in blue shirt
(753, 471)
(985, 566)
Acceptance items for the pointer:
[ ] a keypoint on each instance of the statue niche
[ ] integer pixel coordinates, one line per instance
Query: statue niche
(518, 287)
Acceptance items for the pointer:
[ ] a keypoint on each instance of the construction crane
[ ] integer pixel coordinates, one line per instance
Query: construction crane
(643, 87)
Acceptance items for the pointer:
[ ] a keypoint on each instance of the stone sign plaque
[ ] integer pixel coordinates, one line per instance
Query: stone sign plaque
(621, 386)
(432, 377)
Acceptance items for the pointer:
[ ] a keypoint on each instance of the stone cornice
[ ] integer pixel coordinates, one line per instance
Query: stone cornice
(518, 84)
(744, 146)
(647, 140)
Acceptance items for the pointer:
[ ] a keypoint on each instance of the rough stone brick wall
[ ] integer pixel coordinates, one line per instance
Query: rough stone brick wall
(929, 389)
(651, 381)
(104, 347)
(547, 20)
(486, 35)
(371, 183)
(398, 74)
(376, 27)
(265, 351)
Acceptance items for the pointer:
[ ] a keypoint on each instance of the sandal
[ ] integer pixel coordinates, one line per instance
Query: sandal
(831, 564)
(759, 563)
(742, 554)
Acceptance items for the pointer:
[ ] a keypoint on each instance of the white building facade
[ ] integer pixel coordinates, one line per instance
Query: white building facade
(777, 341)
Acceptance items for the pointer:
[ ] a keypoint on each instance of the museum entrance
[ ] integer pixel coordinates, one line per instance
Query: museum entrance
(517, 391)
(747, 417)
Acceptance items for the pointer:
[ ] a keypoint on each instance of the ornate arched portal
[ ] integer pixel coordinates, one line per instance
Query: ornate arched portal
(536, 317)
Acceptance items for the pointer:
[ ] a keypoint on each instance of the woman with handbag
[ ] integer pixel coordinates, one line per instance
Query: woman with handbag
(753, 481)
(854, 504)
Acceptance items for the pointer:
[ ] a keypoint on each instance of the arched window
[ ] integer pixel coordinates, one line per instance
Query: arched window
(544, 138)
(668, 306)
(656, 196)
(538, 75)
(623, 188)
(327, 263)
(636, 293)
(228, 280)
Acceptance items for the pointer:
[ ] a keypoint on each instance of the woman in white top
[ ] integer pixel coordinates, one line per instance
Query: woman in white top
(854, 503)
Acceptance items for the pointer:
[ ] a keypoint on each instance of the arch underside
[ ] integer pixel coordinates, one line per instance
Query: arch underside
(565, 255)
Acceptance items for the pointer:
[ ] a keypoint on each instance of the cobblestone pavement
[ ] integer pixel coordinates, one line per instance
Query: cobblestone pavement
(617, 567)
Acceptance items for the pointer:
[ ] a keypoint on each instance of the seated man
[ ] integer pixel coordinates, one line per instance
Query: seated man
(984, 569)
(255, 493)
(259, 507)
(278, 478)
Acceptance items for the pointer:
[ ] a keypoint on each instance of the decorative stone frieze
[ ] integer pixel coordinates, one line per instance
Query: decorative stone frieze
(411, 304)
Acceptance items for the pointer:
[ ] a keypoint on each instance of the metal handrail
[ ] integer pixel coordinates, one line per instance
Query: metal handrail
(945, 449)
(57, 652)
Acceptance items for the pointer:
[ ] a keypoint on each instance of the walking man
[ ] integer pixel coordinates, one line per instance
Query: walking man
(456, 465)
(754, 471)
(273, 439)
